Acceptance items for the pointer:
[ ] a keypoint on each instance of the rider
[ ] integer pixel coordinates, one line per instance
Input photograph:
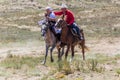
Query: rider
(69, 19)
(51, 18)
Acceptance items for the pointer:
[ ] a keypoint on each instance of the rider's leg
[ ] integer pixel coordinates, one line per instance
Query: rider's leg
(53, 30)
(78, 31)
(58, 36)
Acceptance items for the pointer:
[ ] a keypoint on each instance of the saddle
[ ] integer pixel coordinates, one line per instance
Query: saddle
(75, 34)
(73, 31)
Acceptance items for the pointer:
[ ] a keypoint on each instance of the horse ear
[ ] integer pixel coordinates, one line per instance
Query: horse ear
(63, 16)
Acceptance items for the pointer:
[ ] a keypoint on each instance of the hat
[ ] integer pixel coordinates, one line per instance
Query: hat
(49, 8)
(64, 6)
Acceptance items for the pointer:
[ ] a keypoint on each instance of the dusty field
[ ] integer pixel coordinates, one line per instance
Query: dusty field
(20, 40)
(110, 49)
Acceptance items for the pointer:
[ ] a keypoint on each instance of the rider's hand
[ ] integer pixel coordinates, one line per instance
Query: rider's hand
(45, 14)
(48, 17)
(68, 25)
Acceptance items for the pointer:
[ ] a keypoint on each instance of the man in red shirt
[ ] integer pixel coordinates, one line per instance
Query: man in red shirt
(69, 19)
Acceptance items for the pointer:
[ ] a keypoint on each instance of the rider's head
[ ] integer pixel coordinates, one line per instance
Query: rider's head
(64, 7)
(48, 9)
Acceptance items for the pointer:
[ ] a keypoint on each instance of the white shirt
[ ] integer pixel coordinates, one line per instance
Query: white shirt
(52, 15)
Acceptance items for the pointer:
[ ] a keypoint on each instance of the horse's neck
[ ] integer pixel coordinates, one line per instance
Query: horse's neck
(50, 38)
(64, 33)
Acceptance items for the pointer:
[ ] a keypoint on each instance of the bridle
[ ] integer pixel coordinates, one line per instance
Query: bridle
(60, 23)
(44, 28)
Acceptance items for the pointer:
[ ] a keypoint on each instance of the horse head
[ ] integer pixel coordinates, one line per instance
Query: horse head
(60, 23)
(44, 28)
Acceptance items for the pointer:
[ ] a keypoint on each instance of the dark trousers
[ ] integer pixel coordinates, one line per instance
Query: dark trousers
(57, 35)
(74, 26)
(51, 26)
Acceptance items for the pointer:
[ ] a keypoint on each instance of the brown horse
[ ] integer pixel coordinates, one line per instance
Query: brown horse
(70, 40)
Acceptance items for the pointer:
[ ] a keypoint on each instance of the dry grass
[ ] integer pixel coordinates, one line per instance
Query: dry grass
(100, 21)
(60, 70)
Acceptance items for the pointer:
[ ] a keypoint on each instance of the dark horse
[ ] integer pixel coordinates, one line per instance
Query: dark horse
(70, 40)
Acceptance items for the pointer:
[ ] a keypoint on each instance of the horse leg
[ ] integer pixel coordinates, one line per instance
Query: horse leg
(83, 50)
(72, 55)
(47, 47)
(62, 51)
(59, 51)
(60, 54)
(66, 54)
(59, 57)
(51, 50)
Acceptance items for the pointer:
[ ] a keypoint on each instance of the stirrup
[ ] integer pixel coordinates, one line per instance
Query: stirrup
(80, 38)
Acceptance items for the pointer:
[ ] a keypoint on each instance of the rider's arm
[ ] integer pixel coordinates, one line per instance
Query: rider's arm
(58, 13)
(51, 17)
(70, 18)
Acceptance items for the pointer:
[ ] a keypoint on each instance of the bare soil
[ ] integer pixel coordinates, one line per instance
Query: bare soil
(98, 14)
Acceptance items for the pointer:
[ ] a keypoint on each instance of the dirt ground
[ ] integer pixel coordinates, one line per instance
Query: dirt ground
(107, 46)
(93, 16)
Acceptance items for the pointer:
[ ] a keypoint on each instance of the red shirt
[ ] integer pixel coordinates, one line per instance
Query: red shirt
(69, 16)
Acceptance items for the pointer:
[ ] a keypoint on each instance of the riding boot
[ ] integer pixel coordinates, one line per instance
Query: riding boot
(80, 36)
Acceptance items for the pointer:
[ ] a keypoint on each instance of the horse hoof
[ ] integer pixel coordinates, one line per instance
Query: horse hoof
(71, 59)
(52, 60)
(58, 60)
(43, 63)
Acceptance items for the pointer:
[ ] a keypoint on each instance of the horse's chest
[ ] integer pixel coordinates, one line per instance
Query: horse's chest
(49, 39)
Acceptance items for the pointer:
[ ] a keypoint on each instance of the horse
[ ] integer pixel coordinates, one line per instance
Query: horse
(50, 39)
(70, 40)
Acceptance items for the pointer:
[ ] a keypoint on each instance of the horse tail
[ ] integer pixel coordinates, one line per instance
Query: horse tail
(83, 42)
(86, 48)
(82, 33)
